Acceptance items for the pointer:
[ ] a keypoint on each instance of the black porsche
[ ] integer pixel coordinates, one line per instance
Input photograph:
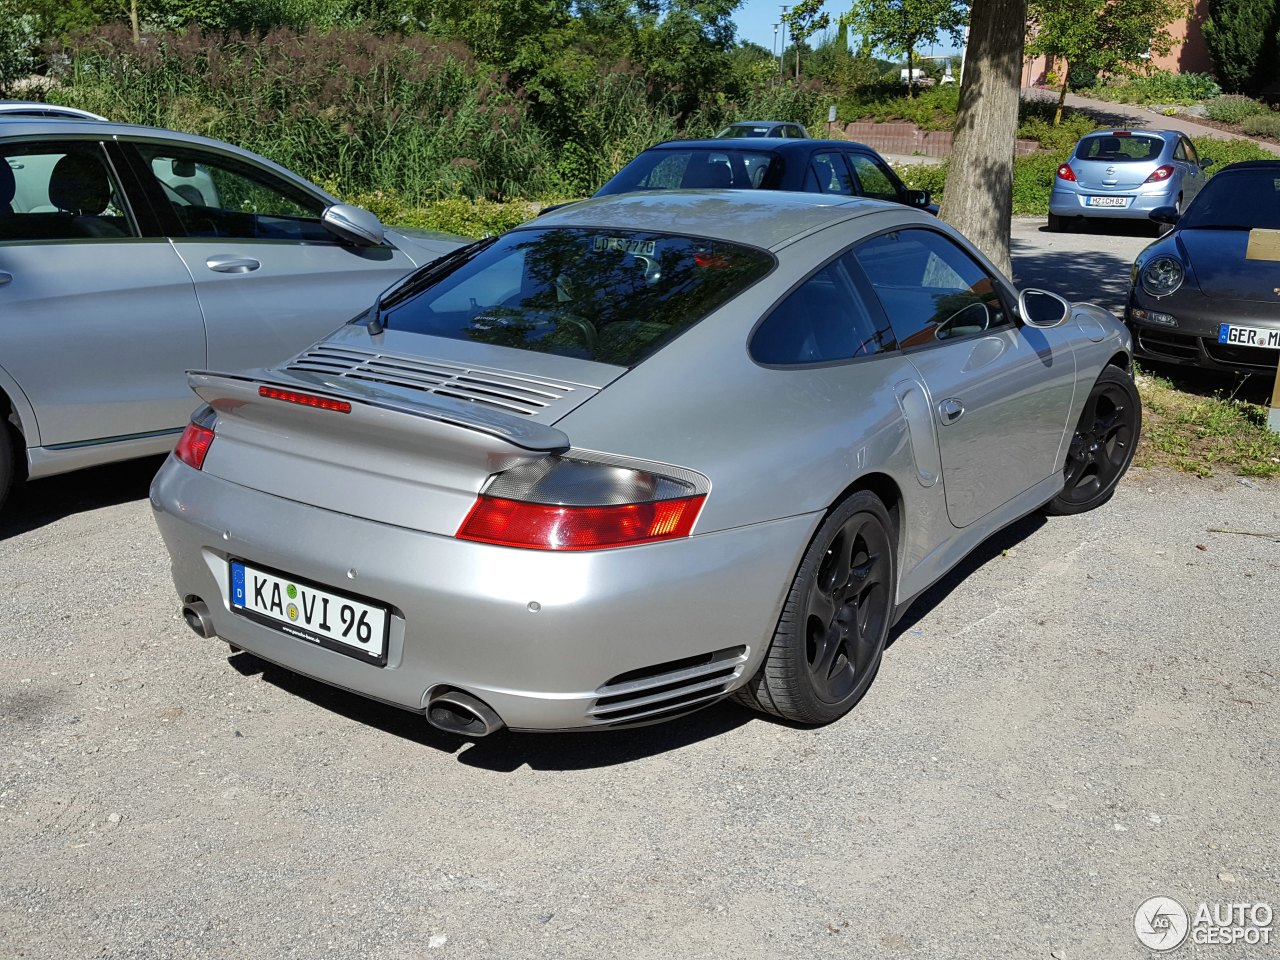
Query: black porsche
(1208, 292)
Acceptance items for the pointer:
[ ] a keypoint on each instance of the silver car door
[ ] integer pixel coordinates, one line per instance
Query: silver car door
(98, 317)
(999, 391)
(270, 278)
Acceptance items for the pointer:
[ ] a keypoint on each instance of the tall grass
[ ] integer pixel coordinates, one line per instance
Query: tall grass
(348, 106)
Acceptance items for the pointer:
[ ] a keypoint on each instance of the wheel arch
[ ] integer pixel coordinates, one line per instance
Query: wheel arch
(889, 493)
(1122, 360)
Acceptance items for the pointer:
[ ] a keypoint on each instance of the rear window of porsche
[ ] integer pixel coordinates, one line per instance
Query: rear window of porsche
(606, 295)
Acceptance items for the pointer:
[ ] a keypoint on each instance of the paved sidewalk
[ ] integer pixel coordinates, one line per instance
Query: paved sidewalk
(1131, 115)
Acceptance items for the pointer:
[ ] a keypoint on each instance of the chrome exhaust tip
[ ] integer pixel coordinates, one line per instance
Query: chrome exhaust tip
(463, 714)
(196, 613)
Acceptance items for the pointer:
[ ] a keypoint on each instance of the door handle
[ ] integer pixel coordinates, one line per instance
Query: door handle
(5, 278)
(229, 263)
(950, 410)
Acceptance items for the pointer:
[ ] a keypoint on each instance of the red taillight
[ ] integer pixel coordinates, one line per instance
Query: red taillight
(512, 523)
(193, 445)
(1160, 173)
(1066, 173)
(305, 399)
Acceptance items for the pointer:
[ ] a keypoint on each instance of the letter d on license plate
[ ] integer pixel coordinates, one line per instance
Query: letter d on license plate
(301, 609)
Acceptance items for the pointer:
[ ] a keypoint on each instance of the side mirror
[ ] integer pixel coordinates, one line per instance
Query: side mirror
(919, 198)
(1205, 162)
(1040, 308)
(1164, 215)
(353, 225)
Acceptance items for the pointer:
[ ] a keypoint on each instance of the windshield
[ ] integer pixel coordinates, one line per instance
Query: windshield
(747, 130)
(612, 296)
(1129, 148)
(1236, 199)
(696, 168)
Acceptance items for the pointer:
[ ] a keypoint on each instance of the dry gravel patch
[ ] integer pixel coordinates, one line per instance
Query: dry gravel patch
(1084, 716)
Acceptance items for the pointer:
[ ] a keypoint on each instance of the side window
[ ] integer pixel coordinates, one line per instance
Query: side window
(876, 180)
(62, 191)
(1190, 149)
(210, 195)
(930, 288)
(823, 320)
(828, 174)
(1180, 151)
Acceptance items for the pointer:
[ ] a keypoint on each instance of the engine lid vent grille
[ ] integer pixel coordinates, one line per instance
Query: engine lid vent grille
(510, 392)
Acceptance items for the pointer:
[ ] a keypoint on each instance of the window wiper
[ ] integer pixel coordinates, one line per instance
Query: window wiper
(415, 283)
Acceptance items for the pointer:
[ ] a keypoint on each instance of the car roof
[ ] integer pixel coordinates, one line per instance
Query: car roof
(757, 143)
(1250, 165)
(36, 109)
(1131, 132)
(764, 218)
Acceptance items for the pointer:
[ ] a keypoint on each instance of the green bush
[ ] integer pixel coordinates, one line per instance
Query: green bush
(1032, 182)
(1223, 152)
(1159, 86)
(1060, 139)
(924, 176)
(17, 40)
(933, 109)
(1233, 108)
(1266, 125)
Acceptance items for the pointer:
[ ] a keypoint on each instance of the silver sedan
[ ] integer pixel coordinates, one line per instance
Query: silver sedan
(129, 255)
(641, 454)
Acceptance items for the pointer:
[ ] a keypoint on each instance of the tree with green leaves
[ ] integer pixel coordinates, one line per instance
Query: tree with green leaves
(1100, 36)
(1243, 37)
(804, 20)
(901, 27)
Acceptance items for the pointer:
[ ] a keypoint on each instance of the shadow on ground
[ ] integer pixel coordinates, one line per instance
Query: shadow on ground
(1095, 276)
(37, 503)
(506, 752)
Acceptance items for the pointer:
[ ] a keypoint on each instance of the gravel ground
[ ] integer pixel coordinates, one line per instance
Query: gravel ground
(1082, 717)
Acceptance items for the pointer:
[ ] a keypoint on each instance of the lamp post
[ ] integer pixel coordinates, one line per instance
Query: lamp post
(783, 55)
(775, 45)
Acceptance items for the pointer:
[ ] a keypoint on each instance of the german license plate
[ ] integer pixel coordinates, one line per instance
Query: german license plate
(1108, 201)
(1249, 336)
(303, 610)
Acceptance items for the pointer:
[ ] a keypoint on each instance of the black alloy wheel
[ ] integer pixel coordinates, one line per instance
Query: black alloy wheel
(831, 636)
(1103, 444)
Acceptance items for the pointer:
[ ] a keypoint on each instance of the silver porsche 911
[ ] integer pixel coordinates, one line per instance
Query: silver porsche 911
(638, 455)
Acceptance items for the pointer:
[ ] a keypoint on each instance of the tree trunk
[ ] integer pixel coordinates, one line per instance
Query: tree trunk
(911, 73)
(133, 21)
(979, 192)
(1062, 94)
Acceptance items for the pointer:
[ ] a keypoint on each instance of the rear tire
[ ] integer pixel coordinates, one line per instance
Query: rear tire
(1057, 224)
(830, 638)
(1103, 444)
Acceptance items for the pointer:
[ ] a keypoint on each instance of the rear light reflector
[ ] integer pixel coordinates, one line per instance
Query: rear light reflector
(305, 399)
(193, 445)
(1066, 173)
(1160, 174)
(511, 523)
(555, 503)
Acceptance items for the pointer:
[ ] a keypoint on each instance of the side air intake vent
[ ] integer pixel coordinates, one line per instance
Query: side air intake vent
(667, 689)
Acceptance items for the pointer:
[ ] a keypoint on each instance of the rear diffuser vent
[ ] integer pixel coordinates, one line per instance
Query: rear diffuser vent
(667, 689)
(509, 392)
